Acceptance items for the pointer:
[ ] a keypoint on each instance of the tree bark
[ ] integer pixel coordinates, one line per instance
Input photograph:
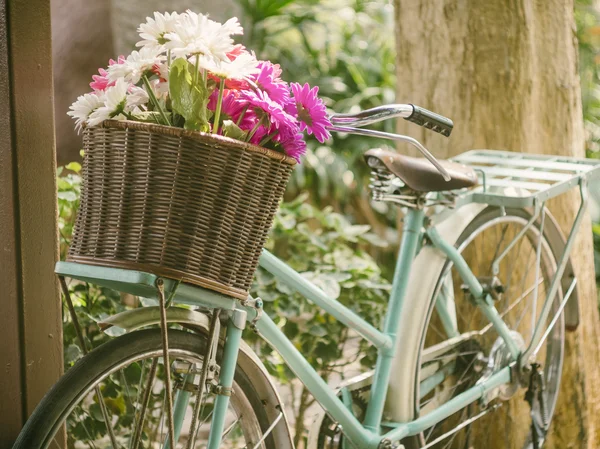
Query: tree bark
(506, 73)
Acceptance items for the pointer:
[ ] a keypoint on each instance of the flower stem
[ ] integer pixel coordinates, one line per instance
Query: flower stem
(219, 105)
(268, 138)
(241, 117)
(155, 100)
(253, 131)
(168, 59)
(196, 71)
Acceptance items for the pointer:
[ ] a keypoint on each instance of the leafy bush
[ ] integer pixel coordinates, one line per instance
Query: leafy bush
(587, 16)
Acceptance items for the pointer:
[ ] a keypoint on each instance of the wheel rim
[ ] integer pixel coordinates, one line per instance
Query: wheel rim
(485, 432)
(83, 416)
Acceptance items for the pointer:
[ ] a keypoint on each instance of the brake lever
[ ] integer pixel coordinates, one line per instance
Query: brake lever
(398, 137)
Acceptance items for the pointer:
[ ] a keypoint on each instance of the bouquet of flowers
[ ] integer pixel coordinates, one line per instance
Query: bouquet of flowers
(189, 73)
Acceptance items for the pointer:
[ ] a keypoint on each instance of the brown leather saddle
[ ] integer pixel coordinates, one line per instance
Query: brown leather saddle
(419, 174)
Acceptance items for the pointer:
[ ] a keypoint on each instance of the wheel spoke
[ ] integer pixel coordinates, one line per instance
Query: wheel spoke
(139, 426)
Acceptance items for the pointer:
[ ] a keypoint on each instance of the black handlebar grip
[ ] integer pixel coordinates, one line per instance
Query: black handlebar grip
(431, 120)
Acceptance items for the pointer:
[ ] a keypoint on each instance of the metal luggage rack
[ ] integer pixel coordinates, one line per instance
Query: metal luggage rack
(534, 178)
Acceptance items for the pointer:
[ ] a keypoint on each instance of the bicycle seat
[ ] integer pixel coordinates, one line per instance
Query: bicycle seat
(419, 174)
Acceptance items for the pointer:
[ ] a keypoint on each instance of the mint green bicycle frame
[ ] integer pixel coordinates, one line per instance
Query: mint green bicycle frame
(369, 434)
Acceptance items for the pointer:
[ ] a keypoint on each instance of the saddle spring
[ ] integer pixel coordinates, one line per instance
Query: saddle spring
(387, 187)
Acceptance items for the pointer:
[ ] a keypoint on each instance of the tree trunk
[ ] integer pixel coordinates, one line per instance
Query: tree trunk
(506, 73)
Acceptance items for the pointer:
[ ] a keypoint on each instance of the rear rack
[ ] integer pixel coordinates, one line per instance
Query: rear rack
(512, 179)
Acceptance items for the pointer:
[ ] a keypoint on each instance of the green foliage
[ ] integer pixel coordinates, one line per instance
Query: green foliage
(329, 251)
(587, 16)
(189, 98)
(91, 303)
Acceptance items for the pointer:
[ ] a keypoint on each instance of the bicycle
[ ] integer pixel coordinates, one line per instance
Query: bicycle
(455, 350)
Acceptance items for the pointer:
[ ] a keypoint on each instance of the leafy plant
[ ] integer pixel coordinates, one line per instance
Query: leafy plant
(587, 16)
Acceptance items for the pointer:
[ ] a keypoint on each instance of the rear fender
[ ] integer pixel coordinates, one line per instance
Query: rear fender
(248, 361)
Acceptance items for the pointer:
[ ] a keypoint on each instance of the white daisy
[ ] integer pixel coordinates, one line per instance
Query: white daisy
(160, 88)
(153, 31)
(136, 97)
(114, 103)
(135, 65)
(241, 67)
(196, 34)
(81, 109)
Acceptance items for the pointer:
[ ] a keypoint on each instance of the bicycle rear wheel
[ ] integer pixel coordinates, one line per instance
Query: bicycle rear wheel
(505, 422)
(122, 370)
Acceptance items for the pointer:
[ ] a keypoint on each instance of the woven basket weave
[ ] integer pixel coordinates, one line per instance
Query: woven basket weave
(179, 204)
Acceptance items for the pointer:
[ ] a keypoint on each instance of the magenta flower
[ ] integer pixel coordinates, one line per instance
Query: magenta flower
(233, 107)
(259, 134)
(101, 82)
(311, 111)
(263, 106)
(292, 142)
(268, 80)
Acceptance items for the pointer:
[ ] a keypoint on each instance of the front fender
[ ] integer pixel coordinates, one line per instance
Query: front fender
(248, 361)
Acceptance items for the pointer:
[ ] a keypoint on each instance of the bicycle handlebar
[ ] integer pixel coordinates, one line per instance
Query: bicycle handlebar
(352, 123)
(410, 112)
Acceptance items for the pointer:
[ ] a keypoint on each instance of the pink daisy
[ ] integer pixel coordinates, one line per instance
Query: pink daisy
(264, 106)
(311, 111)
(292, 141)
(268, 80)
(233, 107)
(101, 82)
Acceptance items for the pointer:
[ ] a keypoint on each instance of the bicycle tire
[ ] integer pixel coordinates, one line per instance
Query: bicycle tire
(40, 428)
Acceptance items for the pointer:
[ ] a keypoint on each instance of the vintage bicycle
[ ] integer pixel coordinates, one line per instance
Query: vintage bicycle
(482, 294)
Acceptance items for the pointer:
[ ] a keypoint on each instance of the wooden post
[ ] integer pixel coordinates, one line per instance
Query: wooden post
(30, 319)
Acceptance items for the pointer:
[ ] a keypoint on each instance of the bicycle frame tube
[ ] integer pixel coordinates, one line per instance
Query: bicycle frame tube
(483, 300)
(360, 436)
(413, 225)
(235, 326)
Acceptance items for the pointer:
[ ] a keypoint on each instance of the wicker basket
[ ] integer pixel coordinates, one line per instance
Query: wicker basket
(179, 204)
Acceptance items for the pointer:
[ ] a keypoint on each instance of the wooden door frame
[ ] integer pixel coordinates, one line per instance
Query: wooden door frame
(30, 316)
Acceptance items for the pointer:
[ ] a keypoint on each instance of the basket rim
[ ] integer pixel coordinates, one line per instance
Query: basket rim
(194, 135)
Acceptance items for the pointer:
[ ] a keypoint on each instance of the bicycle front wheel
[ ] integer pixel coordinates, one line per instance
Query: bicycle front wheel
(506, 421)
(128, 372)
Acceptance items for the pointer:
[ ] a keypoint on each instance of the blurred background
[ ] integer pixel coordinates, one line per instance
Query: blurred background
(347, 48)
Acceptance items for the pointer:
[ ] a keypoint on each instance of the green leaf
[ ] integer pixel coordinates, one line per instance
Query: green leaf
(230, 129)
(74, 166)
(96, 412)
(67, 195)
(72, 353)
(325, 282)
(317, 331)
(188, 99)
